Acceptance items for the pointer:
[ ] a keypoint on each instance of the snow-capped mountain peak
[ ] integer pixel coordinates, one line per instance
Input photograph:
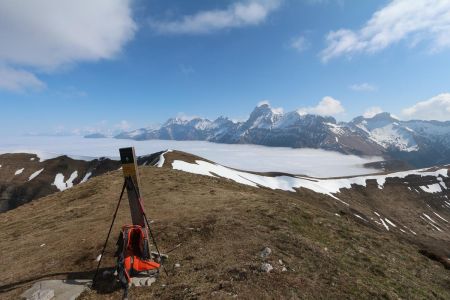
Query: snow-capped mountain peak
(388, 132)
(421, 143)
(263, 116)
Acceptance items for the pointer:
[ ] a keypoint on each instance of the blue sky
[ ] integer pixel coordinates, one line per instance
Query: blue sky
(81, 67)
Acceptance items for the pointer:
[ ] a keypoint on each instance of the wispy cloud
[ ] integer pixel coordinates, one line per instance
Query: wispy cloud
(339, 2)
(328, 106)
(16, 80)
(413, 21)
(70, 92)
(42, 36)
(275, 110)
(185, 117)
(123, 125)
(299, 43)
(363, 87)
(239, 14)
(435, 108)
(103, 127)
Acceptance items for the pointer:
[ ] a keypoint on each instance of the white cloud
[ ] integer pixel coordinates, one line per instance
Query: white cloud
(299, 43)
(372, 111)
(313, 162)
(102, 127)
(363, 87)
(45, 35)
(275, 110)
(414, 21)
(239, 14)
(328, 106)
(18, 80)
(123, 125)
(436, 108)
(263, 102)
(186, 117)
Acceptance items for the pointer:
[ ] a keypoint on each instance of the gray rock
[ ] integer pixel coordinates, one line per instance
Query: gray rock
(265, 252)
(142, 281)
(56, 289)
(42, 295)
(266, 267)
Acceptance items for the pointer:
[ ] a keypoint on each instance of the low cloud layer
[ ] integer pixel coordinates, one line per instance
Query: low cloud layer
(436, 108)
(240, 14)
(313, 162)
(43, 36)
(400, 20)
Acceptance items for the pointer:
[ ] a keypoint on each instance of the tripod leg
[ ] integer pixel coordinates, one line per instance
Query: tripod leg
(146, 221)
(107, 237)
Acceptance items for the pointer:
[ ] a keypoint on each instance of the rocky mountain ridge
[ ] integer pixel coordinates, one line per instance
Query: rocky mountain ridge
(420, 143)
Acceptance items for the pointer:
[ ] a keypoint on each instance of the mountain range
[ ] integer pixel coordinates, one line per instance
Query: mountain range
(418, 142)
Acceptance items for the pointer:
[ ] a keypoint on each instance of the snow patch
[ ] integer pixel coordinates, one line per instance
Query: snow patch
(384, 224)
(429, 218)
(286, 183)
(358, 216)
(19, 171)
(432, 188)
(72, 177)
(336, 129)
(390, 222)
(440, 217)
(162, 159)
(63, 185)
(86, 177)
(290, 183)
(35, 174)
(431, 222)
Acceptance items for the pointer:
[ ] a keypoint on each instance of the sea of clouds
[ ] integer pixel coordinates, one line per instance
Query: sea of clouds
(311, 162)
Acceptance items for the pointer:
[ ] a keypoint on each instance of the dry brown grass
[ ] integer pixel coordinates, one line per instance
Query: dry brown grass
(222, 226)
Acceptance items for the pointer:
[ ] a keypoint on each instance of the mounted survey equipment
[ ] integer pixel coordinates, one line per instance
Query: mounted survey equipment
(133, 251)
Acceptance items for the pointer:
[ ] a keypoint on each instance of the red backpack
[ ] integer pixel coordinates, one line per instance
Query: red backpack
(133, 255)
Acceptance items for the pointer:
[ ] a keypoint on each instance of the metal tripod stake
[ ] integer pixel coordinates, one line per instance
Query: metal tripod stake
(131, 184)
(130, 170)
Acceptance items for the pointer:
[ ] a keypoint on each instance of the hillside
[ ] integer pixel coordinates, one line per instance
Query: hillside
(25, 177)
(321, 247)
